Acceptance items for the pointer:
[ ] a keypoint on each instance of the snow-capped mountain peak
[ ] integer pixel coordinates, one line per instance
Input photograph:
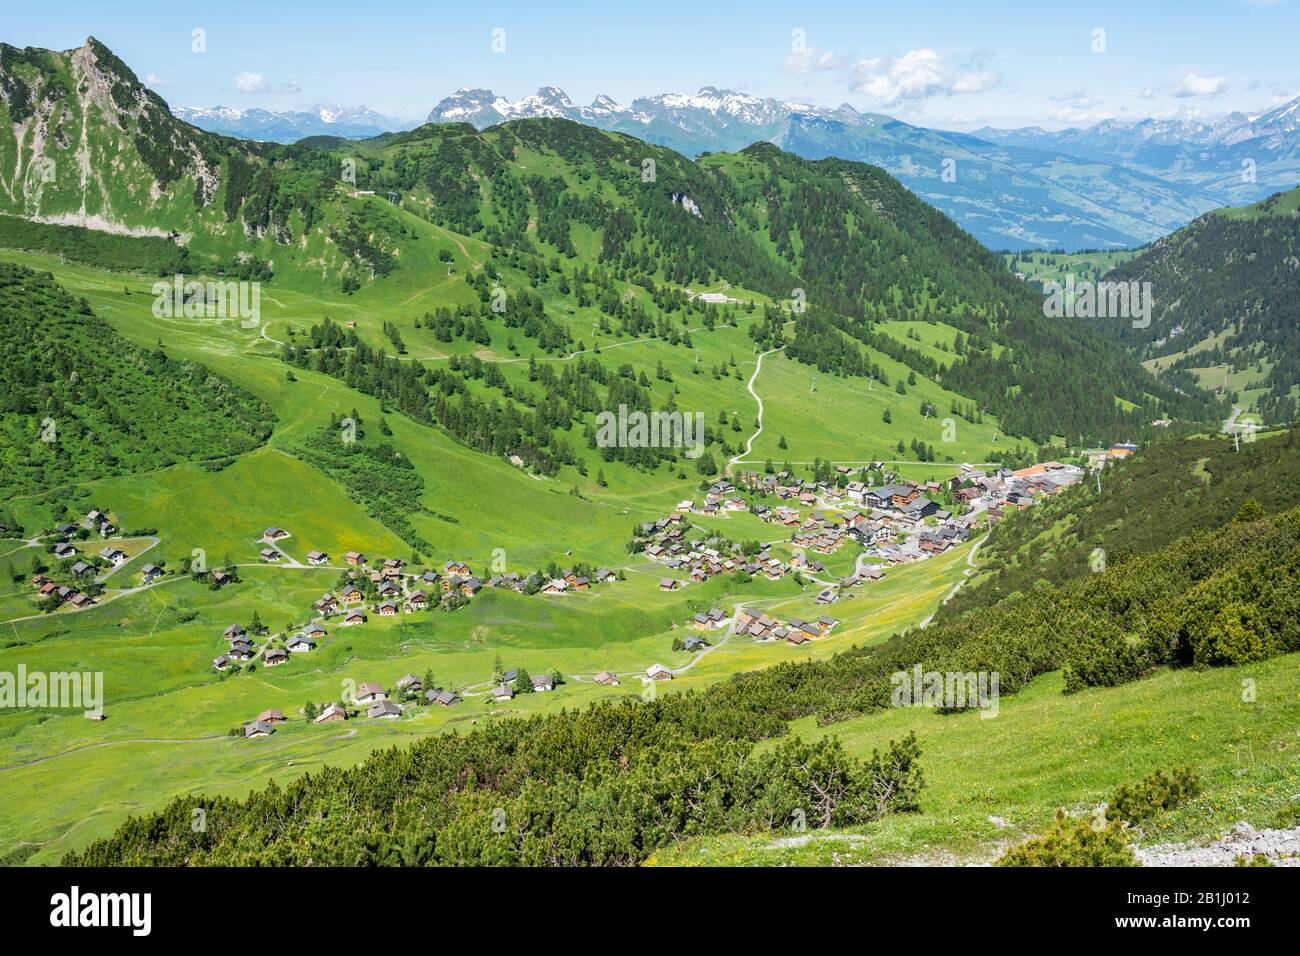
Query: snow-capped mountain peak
(353, 122)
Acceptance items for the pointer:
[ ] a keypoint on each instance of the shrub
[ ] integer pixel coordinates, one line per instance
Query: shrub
(1103, 658)
(1073, 841)
(1236, 634)
(1160, 791)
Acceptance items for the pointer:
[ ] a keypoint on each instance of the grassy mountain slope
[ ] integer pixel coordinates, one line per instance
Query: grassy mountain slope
(1052, 751)
(640, 222)
(597, 266)
(871, 252)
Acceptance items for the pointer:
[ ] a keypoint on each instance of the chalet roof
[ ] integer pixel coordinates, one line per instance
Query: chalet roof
(383, 708)
(330, 711)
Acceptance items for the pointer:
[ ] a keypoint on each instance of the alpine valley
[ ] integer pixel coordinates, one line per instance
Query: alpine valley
(307, 454)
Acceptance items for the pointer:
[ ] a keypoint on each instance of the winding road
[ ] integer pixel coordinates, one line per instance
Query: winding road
(749, 445)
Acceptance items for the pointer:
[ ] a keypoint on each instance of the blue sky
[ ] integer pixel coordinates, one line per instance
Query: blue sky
(958, 64)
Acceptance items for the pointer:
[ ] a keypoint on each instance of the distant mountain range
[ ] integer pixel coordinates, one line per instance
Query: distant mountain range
(1113, 185)
(353, 122)
(1220, 155)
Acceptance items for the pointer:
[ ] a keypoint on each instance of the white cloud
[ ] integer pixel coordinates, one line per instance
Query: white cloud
(1193, 84)
(1080, 116)
(1075, 99)
(250, 83)
(256, 83)
(155, 81)
(921, 74)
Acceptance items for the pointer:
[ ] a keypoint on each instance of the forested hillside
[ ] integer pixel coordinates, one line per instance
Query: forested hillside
(78, 401)
(870, 251)
(1225, 292)
(841, 246)
(1170, 489)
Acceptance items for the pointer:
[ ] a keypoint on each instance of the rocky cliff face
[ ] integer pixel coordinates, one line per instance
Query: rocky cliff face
(84, 142)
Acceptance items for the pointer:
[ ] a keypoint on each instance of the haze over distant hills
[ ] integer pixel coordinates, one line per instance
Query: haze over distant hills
(1217, 155)
(352, 122)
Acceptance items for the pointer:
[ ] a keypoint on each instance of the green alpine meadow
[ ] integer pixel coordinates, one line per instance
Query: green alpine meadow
(648, 484)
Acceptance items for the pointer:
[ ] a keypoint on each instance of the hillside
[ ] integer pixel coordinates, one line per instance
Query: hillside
(86, 144)
(862, 249)
(444, 315)
(1054, 750)
(1170, 489)
(96, 405)
(1225, 289)
(608, 233)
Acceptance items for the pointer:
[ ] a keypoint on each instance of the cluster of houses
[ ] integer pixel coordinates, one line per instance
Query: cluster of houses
(377, 702)
(721, 496)
(60, 594)
(392, 589)
(506, 689)
(1005, 490)
(95, 521)
(762, 627)
(86, 566)
(240, 647)
(895, 528)
(1099, 458)
(665, 541)
(788, 487)
(396, 590)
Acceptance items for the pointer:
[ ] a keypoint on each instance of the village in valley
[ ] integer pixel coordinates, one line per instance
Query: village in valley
(895, 523)
(887, 521)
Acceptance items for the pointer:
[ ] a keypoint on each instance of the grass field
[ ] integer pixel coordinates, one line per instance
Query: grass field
(1055, 266)
(168, 713)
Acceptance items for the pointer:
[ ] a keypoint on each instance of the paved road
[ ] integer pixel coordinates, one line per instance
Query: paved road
(966, 575)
